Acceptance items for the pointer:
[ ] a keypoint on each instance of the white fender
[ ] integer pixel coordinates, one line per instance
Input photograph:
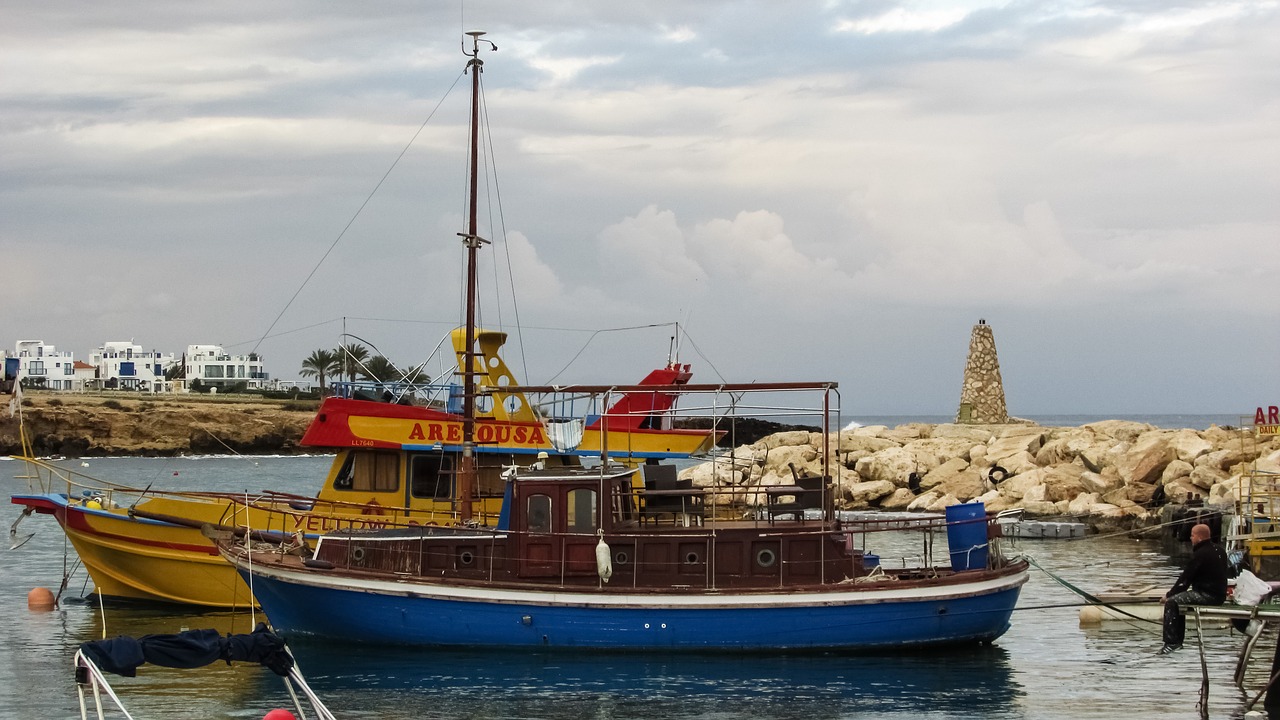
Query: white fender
(604, 559)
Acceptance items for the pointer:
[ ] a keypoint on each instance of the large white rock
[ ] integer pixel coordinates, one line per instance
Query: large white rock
(1146, 459)
(852, 442)
(988, 497)
(1106, 510)
(1223, 459)
(1036, 494)
(1064, 482)
(781, 458)
(974, 434)
(1083, 503)
(904, 434)
(1174, 471)
(1189, 445)
(1064, 445)
(923, 502)
(1016, 464)
(869, 492)
(1018, 485)
(964, 485)
(1223, 494)
(893, 464)
(1099, 482)
(978, 456)
(719, 472)
(784, 439)
(1122, 430)
(899, 499)
(943, 472)
(941, 449)
(1206, 476)
(1016, 440)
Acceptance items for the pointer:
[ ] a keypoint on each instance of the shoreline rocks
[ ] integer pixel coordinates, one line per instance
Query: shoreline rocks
(1114, 474)
(99, 425)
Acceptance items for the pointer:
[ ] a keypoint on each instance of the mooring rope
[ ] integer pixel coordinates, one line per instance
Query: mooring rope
(1093, 599)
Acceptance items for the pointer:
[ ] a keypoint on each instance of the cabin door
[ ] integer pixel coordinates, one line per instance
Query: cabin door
(539, 557)
(560, 538)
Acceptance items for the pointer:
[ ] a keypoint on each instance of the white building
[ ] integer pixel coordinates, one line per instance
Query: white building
(125, 366)
(37, 365)
(212, 366)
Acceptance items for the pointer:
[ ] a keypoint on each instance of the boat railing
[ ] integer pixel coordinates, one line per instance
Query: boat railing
(310, 514)
(401, 546)
(393, 391)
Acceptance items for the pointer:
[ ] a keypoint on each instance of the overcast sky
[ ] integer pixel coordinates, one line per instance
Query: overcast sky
(813, 190)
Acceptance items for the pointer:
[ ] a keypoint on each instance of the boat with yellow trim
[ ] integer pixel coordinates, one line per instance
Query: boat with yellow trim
(394, 464)
(437, 461)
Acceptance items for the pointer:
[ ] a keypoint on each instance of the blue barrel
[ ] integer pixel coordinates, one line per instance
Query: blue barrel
(869, 561)
(967, 536)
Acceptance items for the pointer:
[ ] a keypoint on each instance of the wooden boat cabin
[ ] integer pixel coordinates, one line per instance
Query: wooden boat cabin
(587, 527)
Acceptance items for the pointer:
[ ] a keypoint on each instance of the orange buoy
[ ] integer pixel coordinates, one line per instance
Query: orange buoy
(279, 714)
(41, 599)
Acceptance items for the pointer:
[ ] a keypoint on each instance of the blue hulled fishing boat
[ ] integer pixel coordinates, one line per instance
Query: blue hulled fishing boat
(609, 557)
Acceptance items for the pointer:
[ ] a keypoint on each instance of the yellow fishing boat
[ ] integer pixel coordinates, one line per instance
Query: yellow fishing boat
(393, 464)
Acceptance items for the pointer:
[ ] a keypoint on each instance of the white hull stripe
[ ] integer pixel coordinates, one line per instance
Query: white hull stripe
(423, 589)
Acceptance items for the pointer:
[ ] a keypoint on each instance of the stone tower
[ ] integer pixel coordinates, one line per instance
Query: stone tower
(982, 397)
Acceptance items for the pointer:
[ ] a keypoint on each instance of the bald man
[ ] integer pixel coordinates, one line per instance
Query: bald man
(1204, 582)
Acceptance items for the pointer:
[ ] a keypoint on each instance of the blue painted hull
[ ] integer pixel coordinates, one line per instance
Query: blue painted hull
(849, 620)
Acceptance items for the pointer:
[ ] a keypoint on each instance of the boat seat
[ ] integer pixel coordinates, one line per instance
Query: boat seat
(809, 495)
(663, 478)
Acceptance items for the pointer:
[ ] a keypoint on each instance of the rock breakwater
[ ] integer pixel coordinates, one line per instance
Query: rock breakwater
(1113, 474)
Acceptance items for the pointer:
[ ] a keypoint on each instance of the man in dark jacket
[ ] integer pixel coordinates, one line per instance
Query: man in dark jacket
(1203, 582)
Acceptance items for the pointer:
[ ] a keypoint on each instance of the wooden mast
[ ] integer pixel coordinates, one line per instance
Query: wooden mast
(467, 471)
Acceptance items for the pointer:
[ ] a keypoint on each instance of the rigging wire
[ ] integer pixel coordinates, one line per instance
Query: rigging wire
(594, 333)
(506, 246)
(359, 210)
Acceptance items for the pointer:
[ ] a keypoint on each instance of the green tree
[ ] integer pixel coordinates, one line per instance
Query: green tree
(417, 375)
(381, 369)
(350, 357)
(320, 365)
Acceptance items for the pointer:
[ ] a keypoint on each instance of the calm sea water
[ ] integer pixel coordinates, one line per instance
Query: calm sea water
(1046, 666)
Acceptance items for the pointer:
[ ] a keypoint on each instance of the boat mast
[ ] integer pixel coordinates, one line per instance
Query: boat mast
(472, 241)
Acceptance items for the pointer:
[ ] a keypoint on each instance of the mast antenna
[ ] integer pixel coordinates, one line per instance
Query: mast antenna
(472, 241)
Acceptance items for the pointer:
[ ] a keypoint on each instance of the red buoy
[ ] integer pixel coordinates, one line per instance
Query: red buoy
(41, 599)
(279, 714)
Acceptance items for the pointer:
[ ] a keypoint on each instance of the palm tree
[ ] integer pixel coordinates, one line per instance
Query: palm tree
(320, 364)
(381, 369)
(350, 357)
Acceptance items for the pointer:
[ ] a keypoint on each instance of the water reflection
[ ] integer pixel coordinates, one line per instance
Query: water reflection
(399, 682)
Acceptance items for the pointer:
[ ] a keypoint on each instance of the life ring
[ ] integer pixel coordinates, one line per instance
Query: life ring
(997, 474)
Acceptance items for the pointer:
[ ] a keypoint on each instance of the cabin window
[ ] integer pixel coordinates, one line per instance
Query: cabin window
(432, 477)
(539, 514)
(582, 510)
(370, 472)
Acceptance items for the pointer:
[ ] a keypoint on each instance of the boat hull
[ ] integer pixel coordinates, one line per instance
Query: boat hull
(376, 611)
(135, 559)
(130, 557)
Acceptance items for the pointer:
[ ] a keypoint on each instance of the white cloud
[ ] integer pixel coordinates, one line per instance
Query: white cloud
(650, 245)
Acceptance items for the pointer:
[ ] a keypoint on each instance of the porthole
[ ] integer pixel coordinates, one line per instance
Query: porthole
(691, 558)
(466, 557)
(621, 558)
(766, 558)
(357, 554)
